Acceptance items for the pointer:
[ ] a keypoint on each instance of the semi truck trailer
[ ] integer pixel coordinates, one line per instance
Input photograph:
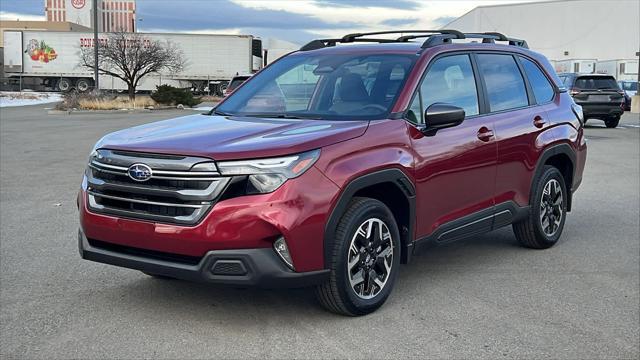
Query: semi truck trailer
(53, 60)
(584, 66)
(621, 69)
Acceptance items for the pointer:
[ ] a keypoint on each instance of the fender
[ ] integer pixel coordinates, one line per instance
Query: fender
(553, 150)
(393, 176)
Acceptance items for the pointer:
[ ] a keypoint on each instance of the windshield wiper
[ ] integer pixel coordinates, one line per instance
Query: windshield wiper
(221, 113)
(284, 116)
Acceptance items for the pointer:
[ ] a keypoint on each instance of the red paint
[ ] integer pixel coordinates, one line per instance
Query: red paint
(488, 159)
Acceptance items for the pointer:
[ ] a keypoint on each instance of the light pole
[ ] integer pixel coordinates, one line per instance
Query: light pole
(95, 45)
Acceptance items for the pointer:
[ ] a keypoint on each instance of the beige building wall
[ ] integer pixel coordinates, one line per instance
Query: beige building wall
(569, 29)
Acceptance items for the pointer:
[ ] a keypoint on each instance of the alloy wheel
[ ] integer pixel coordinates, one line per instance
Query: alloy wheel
(370, 258)
(551, 207)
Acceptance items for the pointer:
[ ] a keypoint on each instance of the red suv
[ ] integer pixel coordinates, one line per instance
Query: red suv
(331, 166)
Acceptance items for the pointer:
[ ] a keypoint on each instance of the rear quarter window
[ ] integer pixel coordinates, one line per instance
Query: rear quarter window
(542, 89)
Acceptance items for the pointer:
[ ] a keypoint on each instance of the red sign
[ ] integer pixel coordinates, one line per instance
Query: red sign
(78, 4)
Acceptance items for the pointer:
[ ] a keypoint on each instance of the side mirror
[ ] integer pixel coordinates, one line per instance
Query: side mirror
(440, 115)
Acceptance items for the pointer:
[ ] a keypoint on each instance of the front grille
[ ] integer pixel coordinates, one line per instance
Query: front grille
(173, 194)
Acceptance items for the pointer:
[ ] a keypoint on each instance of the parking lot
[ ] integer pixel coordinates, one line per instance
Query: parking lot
(483, 297)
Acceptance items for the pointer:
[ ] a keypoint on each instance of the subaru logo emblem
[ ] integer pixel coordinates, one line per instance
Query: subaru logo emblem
(139, 172)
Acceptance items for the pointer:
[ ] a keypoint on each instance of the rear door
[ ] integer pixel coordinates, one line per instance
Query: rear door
(518, 109)
(455, 169)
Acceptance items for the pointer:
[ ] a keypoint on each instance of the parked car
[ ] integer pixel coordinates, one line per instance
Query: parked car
(331, 166)
(234, 83)
(598, 94)
(630, 89)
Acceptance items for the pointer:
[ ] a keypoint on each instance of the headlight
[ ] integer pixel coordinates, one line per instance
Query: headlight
(266, 175)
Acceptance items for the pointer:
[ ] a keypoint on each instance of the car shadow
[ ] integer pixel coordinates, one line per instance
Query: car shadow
(198, 302)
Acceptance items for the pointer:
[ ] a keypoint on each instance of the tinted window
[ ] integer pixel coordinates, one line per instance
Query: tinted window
(321, 86)
(450, 80)
(415, 111)
(235, 82)
(596, 82)
(542, 89)
(505, 86)
(628, 86)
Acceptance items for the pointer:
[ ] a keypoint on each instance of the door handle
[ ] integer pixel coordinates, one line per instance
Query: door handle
(538, 121)
(485, 134)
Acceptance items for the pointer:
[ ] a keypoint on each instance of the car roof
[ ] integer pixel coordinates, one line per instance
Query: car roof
(584, 74)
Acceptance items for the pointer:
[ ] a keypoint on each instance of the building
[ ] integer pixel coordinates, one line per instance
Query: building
(563, 30)
(113, 15)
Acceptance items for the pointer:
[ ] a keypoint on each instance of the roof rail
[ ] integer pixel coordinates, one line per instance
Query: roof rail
(434, 38)
(352, 37)
(490, 37)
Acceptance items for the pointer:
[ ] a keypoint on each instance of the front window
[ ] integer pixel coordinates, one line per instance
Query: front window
(323, 87)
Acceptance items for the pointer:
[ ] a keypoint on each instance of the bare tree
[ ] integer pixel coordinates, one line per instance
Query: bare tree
(132, 56)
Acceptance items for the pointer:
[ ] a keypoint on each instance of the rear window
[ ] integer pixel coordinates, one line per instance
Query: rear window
(505, 85)
(596, 82)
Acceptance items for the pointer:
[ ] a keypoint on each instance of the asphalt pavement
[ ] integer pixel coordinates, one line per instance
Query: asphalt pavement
(484, 297)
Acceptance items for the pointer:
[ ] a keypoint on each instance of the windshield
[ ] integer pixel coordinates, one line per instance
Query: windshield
(629, 86)
(332, 87)
(596, 82)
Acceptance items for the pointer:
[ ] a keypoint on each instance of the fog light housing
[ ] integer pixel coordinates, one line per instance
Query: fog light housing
(280, 246)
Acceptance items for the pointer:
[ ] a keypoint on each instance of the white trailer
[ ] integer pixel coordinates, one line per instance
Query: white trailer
(621, 69)
(584, 66)
(53, 58)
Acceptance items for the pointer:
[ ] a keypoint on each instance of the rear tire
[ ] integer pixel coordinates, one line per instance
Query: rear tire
(64, 85)
(364, 262)
(83, 85)
(543, 226)
(612, 122)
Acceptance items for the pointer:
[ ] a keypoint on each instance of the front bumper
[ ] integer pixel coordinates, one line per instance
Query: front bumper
(242, 267)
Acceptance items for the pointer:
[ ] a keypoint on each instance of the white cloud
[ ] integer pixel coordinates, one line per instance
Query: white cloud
(11, 16)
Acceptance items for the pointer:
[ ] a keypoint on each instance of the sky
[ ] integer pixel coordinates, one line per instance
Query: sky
(296, 21)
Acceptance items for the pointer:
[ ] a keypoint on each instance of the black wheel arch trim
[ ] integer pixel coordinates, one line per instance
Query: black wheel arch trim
(392, 175)
(551, 151)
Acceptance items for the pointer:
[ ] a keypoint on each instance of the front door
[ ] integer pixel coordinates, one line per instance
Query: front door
(455, 169)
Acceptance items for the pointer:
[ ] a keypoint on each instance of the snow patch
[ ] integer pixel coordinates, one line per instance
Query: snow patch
(14, 98)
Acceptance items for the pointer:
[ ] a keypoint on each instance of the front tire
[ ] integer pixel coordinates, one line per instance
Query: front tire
(543, 226)
(364, 262)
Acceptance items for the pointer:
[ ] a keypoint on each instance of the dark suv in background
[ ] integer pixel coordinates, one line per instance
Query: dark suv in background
(598, 94)
(332, 165)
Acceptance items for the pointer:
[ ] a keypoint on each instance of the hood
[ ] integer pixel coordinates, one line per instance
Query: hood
(226, 138)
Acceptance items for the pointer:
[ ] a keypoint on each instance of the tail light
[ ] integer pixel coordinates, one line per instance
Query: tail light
(577, 110)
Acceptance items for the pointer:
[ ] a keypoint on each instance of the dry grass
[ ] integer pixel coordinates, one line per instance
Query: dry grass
(115, 103)
(211, 98)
